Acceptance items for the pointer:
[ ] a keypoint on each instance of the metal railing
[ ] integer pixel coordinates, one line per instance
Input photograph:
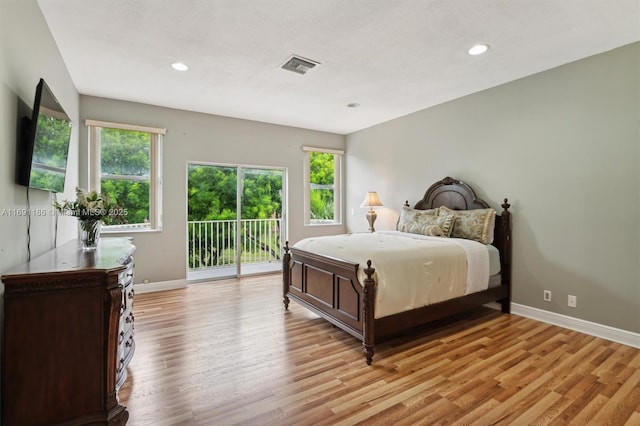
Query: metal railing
(212, 243)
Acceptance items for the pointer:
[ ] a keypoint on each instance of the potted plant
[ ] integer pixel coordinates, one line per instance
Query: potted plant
(92, 210)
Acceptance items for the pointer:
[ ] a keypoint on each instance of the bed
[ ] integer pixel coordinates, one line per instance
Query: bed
(345, 294)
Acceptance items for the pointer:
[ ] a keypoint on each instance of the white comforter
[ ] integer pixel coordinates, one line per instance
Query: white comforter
(411, 270)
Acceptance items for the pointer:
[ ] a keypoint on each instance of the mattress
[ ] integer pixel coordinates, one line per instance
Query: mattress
(412, 270)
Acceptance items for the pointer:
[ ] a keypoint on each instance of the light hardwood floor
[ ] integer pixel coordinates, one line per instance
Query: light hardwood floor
(227, 353)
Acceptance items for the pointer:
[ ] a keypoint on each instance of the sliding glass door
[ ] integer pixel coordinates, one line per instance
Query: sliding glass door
(235, 220)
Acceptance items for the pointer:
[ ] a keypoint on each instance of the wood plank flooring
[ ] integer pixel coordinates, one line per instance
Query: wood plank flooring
(226, 353)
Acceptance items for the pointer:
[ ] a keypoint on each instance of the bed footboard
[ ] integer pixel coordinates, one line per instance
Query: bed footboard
(330, 288)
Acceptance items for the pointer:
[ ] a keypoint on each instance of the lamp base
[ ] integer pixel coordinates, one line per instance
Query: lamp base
(371, 217)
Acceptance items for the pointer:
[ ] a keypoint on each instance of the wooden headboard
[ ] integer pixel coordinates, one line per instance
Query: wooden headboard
(451, 193)
(457, 195)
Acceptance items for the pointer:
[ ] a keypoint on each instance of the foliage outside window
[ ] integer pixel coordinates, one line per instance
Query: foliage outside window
(323, 170)
(214, 230)
(125, 164)
(213, 189)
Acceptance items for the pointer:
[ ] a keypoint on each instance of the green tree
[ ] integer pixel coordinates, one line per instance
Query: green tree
(125, 166)
(262, 194)
(321, 177)
(212, 195)
(125, 152)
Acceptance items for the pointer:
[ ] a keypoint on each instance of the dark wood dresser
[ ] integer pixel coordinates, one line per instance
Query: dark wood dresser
(68, 335)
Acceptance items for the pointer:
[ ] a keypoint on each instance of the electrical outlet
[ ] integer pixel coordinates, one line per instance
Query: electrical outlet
(572, 301)
(546, 295)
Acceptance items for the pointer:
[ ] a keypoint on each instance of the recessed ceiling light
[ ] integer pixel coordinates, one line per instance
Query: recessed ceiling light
(353, 105)
(179, 66)
(478, 49)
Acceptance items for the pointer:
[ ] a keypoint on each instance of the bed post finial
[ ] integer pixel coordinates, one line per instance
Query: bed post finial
(505, 206)
(286, 275)
(506, 230)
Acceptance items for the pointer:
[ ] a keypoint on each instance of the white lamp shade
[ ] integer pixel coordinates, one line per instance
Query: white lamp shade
(371, 200)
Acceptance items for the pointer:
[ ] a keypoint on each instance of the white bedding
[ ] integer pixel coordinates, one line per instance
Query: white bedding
(412, 270)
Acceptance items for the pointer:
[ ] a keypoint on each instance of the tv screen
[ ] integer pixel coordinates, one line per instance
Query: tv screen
(42, 159)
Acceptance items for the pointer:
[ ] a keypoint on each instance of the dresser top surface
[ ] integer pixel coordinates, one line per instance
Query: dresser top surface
(111, 254)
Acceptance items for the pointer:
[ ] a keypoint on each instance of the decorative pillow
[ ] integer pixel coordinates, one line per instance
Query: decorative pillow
(426, 222)
(418, 228)
(409, 215)
(491, 228)
(446, 223)
(476, 225)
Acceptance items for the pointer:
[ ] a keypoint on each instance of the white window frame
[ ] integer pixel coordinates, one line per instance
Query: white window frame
(155, 180)
(337, 186)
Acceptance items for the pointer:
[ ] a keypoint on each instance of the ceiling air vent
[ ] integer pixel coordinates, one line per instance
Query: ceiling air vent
(298, 64)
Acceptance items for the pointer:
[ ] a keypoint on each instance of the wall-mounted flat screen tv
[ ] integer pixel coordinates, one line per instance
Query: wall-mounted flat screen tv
(41, 160)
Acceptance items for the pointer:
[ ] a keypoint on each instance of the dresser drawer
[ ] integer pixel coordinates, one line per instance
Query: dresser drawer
(126, 275)
(126, 343)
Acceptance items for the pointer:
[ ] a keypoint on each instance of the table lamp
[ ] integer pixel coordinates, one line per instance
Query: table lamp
(371, 200)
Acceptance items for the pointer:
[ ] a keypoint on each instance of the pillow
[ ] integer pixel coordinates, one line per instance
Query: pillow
(446, 222)
(491, 228)
(476, 225)
(430, 230)
(409, 215)
(426, 222)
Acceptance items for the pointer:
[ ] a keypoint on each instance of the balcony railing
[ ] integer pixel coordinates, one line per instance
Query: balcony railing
(212, 243)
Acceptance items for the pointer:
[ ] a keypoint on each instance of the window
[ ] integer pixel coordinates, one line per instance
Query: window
(323, 184)
(125, 163)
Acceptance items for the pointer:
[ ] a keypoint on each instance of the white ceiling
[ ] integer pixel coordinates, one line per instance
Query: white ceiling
(393, 57)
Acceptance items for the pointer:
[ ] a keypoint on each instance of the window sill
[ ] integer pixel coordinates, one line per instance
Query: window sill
(324, 224)
(118, 231)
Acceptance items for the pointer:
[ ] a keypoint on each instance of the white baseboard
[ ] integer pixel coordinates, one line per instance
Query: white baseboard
(628, 338)
(159, 286)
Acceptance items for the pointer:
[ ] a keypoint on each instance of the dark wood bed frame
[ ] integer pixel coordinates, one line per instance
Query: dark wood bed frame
(329, 286)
